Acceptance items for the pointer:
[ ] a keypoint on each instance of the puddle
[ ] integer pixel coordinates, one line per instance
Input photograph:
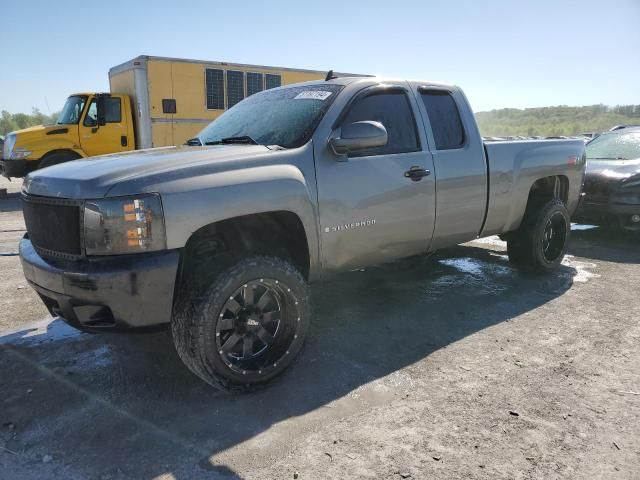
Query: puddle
(466, 265)
(476, 267)
(48, 330)
(97, 358)
(476, 276)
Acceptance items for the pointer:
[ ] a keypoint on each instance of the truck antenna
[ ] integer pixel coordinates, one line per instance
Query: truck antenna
(330, 76)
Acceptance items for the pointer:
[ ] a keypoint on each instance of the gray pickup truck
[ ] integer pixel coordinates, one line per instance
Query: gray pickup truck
(219, 238)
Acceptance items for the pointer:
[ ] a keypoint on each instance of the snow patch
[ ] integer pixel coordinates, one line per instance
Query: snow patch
(493, 240)
(578, 226)
(582, 274)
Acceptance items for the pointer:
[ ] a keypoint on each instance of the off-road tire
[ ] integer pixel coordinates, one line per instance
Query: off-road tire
(197, 312)
(57, 158)
(527, 247)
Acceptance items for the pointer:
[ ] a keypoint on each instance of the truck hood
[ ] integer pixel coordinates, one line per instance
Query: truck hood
(37, 128)
(26, 134)
(604, 177)
(94, 177)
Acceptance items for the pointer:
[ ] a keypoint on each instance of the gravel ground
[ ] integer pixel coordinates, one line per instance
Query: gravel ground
(453, 366)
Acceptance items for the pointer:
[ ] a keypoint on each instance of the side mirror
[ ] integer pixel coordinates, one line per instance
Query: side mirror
(100, 107)
(359, 136)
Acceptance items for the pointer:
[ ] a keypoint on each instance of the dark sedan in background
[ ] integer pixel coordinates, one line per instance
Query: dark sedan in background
(612, 180)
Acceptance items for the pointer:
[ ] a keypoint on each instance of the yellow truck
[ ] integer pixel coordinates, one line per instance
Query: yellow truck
(153, 102)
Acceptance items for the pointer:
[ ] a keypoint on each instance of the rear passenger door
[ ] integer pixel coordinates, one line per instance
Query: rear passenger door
(459, 163)
(371, 211)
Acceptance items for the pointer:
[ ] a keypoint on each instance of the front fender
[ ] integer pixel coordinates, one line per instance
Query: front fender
(192, 203)
(42, 140)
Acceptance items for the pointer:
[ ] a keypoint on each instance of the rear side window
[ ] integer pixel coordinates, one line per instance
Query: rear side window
(444, 118)
(112, 112)
(392, 110)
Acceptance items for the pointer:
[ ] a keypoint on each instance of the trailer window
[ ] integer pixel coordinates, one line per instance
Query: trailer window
(235, 87)
(254, 83)
(392, 110)
(444, 118)
(272, 81)
(214, 79)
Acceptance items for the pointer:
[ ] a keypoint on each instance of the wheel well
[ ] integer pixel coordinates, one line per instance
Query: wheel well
(549, 188)
(71, 153)
(279, 233)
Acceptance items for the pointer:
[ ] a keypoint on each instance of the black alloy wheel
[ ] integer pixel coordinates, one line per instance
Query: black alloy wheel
(250, 335)
(554, 237)
(246, 326)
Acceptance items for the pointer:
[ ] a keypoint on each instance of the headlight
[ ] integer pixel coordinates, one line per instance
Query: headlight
(121, 225)
(9, 142)
(19, 154)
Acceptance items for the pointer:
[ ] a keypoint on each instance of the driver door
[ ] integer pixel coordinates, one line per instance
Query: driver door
(371, 209)
(102, 139)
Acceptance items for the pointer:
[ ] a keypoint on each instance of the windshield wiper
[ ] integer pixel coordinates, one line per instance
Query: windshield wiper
(607, 158)
(244, 139)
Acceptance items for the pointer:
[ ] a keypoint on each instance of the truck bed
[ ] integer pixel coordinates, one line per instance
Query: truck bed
(513, 166)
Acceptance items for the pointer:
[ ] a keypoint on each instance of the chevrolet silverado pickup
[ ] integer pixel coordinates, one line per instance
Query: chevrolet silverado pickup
(220, 238)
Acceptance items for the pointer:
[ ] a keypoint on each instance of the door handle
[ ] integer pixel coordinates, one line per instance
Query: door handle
(417, 173)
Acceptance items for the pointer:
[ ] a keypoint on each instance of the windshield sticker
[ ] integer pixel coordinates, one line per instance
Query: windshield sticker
(313, 95)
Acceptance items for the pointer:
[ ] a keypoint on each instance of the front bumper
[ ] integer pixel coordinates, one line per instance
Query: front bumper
(111, 293)
(603, 212)
(17, 168)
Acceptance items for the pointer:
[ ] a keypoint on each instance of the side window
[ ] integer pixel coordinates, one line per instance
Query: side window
(391, 109)
(444, 118)
(113, 112)
(91, 118)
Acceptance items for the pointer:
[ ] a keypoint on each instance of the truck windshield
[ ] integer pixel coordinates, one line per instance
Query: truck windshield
(72, 110)
(283, 116)
(614, 146)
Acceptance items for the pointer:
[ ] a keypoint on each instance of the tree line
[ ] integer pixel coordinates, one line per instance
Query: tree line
(543, 121)
(560, 120)
(17, 121)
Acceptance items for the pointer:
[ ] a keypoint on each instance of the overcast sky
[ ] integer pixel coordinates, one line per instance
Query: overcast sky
(504, 53)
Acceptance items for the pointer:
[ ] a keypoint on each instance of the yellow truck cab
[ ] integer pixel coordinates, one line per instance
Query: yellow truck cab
(89, 124)
(154, 102)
